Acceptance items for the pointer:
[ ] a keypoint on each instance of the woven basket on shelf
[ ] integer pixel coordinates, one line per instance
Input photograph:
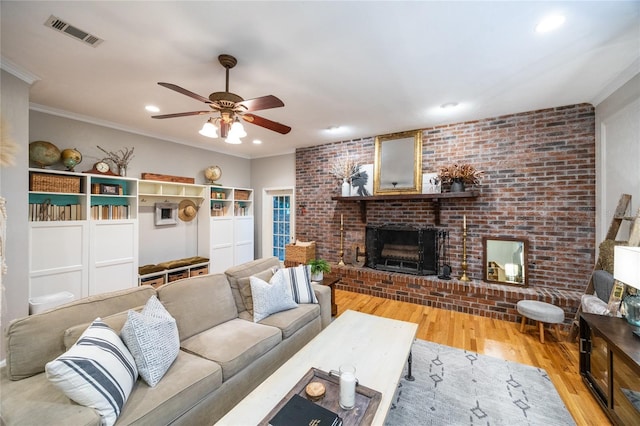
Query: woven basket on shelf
(43, 182)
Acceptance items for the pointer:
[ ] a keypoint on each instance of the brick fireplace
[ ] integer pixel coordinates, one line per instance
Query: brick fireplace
(539, 184)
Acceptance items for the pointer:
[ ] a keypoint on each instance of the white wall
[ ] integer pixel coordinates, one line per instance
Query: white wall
(269, 172)
(14, 105)
(617, 154)
(156, 244)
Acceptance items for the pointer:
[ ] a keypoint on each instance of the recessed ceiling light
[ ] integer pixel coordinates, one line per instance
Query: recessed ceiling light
(550, 23)
(152, 108)
(257, 142)
(449, 105)
(334, 129)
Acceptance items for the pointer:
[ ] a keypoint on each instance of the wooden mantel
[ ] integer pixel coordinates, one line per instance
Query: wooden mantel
(435, 198)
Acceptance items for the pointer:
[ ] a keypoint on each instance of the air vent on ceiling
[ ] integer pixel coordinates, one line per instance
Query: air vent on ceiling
(75, 32)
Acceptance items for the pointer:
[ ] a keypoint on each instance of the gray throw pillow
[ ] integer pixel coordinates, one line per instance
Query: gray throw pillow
(152, 338)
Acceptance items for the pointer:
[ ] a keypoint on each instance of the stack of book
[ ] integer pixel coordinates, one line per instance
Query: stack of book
(300, 411)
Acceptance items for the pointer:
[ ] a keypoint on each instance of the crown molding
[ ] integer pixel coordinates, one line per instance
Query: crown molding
(617, 82)
(109, 124)
(17, 71)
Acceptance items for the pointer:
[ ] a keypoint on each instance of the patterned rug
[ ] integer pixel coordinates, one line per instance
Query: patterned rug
(456, 387)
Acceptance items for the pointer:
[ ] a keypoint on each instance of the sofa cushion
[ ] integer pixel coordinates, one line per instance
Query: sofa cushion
(603, 284)
(36, 401)
(97, 372)
(245, 287)
(115, 321)
(198, 303)
(292, 320)
(234, 344)
(187, 382)
(245, 270)
(152, 338)
(269, 298)
(37, 339)
(299, 280)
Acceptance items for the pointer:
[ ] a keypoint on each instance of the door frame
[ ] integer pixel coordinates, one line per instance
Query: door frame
(267, 216)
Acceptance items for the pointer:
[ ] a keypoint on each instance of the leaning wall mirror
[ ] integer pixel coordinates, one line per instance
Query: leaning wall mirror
(398, 163)
(505, 260)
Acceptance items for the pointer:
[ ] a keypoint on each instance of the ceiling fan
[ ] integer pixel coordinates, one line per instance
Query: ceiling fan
(231, 106)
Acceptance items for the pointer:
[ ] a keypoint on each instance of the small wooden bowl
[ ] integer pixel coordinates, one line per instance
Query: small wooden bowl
(315, 391)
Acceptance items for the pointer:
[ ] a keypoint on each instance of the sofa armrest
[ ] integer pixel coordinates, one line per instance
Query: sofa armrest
(323, 294)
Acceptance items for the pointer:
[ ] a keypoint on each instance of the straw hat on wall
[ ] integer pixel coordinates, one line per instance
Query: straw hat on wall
(187, 210)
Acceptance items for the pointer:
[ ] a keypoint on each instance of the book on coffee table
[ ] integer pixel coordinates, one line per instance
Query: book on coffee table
(300, 411)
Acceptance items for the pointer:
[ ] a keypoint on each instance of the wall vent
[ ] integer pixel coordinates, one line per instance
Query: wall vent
(75, 32)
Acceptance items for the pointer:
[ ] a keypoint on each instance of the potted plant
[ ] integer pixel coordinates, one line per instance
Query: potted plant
(459, 175)
(318, 268)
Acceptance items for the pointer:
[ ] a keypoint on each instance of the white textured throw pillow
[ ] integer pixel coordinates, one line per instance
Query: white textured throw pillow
(152, 337)
(299, 280)
(270, 297)
(97, 372)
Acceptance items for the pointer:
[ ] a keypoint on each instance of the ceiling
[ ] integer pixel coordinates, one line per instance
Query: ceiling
(369, 67)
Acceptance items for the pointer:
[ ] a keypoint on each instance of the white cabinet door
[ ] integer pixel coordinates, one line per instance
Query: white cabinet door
(243, 235)
(221, 244)
(113, 257)
(58, 258)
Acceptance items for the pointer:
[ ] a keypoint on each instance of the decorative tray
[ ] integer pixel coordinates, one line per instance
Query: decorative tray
(367, 399)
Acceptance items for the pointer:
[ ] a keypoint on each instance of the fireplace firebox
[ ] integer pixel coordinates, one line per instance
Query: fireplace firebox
(402, 249)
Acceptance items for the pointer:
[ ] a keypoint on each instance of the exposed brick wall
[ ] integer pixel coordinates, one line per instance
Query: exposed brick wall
(539, 184)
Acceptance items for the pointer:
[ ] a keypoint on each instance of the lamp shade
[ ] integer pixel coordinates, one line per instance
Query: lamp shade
(626, 265)
(209, 129)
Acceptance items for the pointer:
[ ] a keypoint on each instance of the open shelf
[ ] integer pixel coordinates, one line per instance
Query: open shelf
(435, 198)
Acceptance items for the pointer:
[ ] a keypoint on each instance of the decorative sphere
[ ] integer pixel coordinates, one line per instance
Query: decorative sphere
(43, 153)
(71, 158)
(213, 173)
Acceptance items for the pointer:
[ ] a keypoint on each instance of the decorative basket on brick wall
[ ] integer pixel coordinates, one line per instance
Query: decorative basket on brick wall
(54, 183)
(299, 254)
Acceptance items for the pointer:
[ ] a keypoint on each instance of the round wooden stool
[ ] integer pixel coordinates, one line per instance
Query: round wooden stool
(541, 312)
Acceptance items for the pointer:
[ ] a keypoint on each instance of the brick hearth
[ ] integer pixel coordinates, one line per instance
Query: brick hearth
(473, 297)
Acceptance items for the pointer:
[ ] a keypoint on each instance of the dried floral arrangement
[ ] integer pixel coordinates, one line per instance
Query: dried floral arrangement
(120, 158)
(345, 168)
(463, 172)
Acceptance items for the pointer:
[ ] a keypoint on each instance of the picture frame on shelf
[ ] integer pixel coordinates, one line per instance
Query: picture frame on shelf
(431, 183)
(109, 189)
(362, 181)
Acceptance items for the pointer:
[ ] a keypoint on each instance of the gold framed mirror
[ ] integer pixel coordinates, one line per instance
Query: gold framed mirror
(398, 163)
(505, 260)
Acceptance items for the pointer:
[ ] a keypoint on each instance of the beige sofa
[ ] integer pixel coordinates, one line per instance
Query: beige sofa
(224, 354)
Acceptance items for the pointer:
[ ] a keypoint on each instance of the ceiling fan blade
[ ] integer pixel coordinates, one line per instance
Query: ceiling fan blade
(267, 124)
(185, 92)
(264, 102)
(182, 114)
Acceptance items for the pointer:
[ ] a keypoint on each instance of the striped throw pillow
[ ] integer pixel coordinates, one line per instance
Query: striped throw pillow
(299, 279)
(97, 372)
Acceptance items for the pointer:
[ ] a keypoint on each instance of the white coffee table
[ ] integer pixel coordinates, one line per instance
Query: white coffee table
(378, 347)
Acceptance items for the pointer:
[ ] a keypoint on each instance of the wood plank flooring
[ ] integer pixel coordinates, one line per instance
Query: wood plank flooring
(493, 337)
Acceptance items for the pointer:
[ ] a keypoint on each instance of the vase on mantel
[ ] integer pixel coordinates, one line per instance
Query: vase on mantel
(457, 185)
(346, 188)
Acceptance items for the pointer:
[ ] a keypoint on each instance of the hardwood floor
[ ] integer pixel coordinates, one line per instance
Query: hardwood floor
(492, 337)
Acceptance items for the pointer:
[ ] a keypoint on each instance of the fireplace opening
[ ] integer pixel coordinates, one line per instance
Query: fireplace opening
(402, 249)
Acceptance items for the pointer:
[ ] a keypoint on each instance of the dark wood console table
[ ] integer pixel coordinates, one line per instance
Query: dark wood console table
(435, 198)
(331, 279)
(610, 366)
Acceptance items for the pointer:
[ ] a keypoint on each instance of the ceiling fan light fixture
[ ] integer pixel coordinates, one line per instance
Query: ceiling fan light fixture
(209, 129)
(237, 129)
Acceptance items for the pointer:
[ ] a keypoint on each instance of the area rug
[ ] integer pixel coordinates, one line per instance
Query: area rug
(457, 387)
